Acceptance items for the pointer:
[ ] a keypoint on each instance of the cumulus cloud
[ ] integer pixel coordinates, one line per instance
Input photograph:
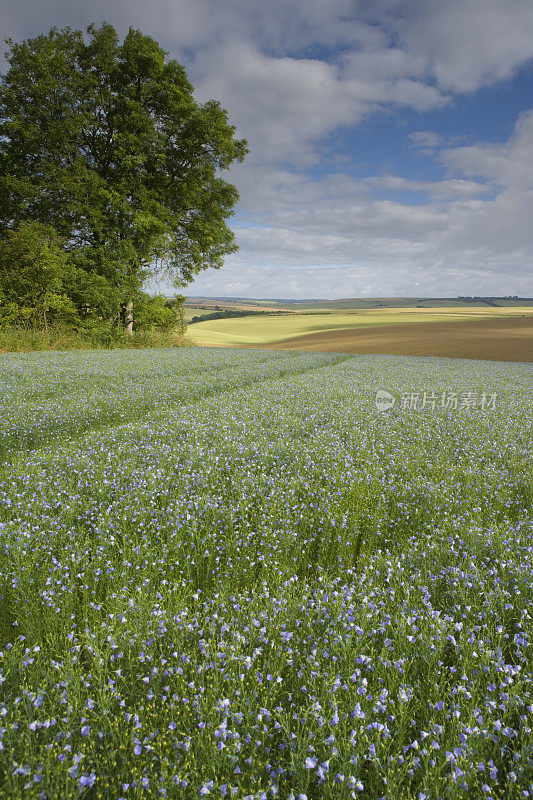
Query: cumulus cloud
(507, 164)
(281, 105)
(285, 105)
(465, 44)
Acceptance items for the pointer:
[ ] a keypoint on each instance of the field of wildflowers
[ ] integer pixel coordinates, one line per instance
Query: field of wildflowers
(224, 573)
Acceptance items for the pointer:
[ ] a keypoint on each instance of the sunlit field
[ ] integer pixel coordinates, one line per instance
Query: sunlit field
(239, 332)
(226, 574)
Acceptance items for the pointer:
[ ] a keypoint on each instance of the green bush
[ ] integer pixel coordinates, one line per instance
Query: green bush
(155, 314)
(32, 268)
(92, 336)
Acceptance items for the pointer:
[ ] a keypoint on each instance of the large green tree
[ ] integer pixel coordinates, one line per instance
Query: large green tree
(104, 142)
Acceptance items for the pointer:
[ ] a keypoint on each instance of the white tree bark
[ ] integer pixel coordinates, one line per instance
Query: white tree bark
(128, 318)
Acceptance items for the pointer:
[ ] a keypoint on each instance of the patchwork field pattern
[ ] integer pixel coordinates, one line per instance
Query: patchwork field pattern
(493, 334)
(223, 573)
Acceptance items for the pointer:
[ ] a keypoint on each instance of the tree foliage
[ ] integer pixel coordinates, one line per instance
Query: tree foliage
(104, 144)
(32, 268)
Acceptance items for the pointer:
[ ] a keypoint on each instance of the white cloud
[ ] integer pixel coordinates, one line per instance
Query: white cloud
(277, 66)
(257, 58)
(507, 164)
(465, 43)
(284, 105)
(281, 105)
(425, 141)
(333, 237)
(358, 281)
(439, 190)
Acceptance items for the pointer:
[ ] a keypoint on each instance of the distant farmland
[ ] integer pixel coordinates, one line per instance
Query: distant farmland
(509, 339)
(501, 334)
(354, 304)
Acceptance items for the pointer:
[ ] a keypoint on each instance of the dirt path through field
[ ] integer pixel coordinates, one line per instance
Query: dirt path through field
(509, 339)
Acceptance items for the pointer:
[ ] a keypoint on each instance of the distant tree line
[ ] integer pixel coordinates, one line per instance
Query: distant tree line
(228, 313)
(489, 299)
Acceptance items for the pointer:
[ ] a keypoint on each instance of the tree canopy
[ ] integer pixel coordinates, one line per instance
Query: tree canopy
(103, 144)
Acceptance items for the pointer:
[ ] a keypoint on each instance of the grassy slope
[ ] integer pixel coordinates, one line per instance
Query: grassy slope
(194, 311)
(263, 330)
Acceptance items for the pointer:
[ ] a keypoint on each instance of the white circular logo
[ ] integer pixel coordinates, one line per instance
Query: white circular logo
(384, 400)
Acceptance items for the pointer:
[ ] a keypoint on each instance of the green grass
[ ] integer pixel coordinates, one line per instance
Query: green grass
(21, 340)
(189, 312)
(223, 573)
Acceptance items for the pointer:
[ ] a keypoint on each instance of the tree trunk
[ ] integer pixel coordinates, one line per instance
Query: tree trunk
(128, 318)
(182, 317)
(179, 301)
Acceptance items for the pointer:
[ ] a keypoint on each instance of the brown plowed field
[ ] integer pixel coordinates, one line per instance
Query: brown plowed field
(509, 339)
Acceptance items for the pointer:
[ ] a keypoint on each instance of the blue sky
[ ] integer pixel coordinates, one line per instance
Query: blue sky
(391, 140)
